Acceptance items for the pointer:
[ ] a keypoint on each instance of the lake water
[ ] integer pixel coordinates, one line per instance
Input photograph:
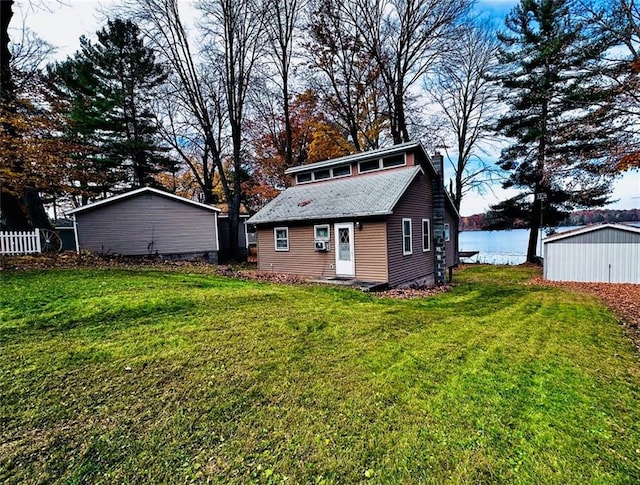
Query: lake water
(501, 247)
(496, 247)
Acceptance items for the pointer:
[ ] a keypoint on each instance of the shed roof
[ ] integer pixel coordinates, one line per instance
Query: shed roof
(365, 195)
(591, 228)
(140, 191)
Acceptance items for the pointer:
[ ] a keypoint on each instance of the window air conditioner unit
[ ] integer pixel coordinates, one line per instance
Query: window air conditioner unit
(322, 245)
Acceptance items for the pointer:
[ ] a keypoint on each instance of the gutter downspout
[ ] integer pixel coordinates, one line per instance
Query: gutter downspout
(75, 234)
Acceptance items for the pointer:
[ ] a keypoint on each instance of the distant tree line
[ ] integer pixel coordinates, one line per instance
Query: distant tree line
(482, 222)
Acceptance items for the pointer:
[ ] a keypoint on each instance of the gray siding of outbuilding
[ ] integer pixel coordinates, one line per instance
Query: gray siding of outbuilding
(605, 255)
(147, 224)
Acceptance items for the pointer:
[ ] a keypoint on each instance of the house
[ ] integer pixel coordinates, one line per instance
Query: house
(381, 216)
(606, 253)
(148, 221)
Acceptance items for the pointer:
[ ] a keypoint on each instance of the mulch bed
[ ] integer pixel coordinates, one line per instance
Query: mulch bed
(70, 259)
(412, 293)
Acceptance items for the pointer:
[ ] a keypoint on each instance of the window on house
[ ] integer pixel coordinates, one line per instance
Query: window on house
(407, 244)
(426, 235)
(302, 178)
(369, 166)
(394, 161)
(342, 171)
(447, 232)
(281, 235)
(321, 233)
(321, 174)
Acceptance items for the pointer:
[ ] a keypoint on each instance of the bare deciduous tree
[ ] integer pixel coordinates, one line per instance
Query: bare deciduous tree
(281, 21)
(620, 20)
(461, 88)
(346, 75)
(192, 113)
(236, 33)
(405, 38)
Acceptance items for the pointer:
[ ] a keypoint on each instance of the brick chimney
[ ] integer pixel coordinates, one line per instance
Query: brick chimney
(438, 191)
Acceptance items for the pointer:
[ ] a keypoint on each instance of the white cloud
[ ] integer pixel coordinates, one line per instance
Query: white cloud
(61, 24)
(627, 190)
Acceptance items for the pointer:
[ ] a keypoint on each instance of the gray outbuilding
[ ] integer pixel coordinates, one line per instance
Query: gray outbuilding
(606, 253)
(148, 221)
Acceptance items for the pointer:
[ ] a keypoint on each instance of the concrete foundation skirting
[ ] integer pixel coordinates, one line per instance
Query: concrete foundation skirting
(425, 281)
(208, 256)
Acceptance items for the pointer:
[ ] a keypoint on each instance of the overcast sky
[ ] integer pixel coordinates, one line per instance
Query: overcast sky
(62, 23)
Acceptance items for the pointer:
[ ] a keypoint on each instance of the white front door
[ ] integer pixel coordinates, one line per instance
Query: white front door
(345, 260)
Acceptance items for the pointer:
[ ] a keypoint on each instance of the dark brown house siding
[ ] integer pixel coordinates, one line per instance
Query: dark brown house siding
(302, 259)
(415, 204)
(147, 224)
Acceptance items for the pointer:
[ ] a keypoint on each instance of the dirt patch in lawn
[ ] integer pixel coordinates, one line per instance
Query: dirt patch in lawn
(622, 298)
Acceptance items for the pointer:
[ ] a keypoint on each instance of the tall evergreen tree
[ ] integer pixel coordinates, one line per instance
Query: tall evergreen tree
(111, 85)
(558, 118)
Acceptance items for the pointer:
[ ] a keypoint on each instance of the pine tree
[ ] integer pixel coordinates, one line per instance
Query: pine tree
(558, 119)
(111, 85)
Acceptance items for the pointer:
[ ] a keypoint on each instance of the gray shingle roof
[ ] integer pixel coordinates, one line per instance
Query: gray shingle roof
(142, 190)
(365, 195)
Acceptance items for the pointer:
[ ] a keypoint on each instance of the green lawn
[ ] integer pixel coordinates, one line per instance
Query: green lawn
(145, 376)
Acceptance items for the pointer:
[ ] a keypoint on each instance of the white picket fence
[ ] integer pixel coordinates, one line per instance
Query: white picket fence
(20, 242)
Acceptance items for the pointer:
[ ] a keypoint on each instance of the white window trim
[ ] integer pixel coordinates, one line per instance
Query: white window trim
(381, 164)
(404, 162)
(447, 231)
(428, 248)
(404, 236)
(340, 176)
(315, 234)
(331, 175)
(373, 169)
(275, 238)
(313, 174)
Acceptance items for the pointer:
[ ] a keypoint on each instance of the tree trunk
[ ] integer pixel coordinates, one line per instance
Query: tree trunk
(534, 225)
(12, 215)
(35, 208)
(7, 89)
(11, 209)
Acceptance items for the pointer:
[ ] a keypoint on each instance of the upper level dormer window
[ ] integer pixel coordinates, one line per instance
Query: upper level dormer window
(342, 171)
(381, 163)
(323, 174)
(395, 161)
